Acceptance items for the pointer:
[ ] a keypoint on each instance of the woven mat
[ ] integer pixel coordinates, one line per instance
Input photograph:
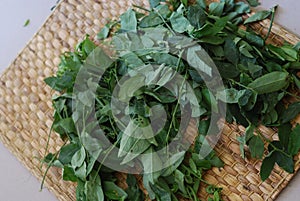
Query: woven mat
(26, 108)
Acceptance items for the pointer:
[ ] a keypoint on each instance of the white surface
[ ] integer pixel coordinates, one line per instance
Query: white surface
(16, 183)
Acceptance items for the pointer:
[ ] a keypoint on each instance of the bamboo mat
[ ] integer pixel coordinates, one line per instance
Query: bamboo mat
(26, 107)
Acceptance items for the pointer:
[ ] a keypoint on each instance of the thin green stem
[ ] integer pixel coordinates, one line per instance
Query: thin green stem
(270, 143)
(271, 23)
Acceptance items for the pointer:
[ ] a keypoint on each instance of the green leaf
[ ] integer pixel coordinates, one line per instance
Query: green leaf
(133, 191)
(104, 32)
(284, 161)
(66, 153)
(231, 51)
(69, 174)
(297, 81)
(196, 58)
(294, 141)
(151, 20)
(179, 23)
(216, 8)
(253, 3)
(196, 16)
(179, 179)
(161, 194)
(173, 163)
(270, 82)
(230, 95)
(291, 112)
(93, 190)
(27, 22)
(113, 192)
(284, 132)
(129, 21)
(81, 172)
(267, 166)
(154, 3)
(258, 16)
(256, 146)
(78, 158)
(214, 40)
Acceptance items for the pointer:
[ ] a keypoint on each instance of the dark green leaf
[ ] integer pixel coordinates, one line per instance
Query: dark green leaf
(267, 166)
(256, 146)
(294, 141)
(285, 162)
(69, 174)
(231, 51)
(196, 16)
(291, 112)
(284, 132)
(66, 153)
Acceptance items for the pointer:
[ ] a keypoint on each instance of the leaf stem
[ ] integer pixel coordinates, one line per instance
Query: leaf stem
(270, 143)
(271, 23)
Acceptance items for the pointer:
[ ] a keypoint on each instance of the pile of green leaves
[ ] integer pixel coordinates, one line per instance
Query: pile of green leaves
(257, 77)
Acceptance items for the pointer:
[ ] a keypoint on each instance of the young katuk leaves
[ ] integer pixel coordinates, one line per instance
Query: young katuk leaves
(129, 21)
(230, 95)
(196, 15)
(267, 166)
(260, 15)
(294, 141)
(291, 112)
(179, 23)
(113, 192)
(284, 161)
(253, 3)
(216, 8)
(284, 132)
(256, 146)
(93, 189)
(270, 82)
(78, 158)
(231, 51)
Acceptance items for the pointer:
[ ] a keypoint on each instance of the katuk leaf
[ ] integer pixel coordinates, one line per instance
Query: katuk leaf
(256, 146)
(260, 15)
(267, 166)
(78, 158)
(294, 141)
(270, 82)
(291, 112)
(129, 21)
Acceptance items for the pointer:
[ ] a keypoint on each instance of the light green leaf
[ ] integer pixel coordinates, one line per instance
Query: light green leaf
(179, 23)
(78, 158)
(270, 82)
(260, 15)
(129, 21)
(195, 57)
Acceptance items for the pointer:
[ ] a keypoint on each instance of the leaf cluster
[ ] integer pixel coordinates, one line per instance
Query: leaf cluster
(257, 77)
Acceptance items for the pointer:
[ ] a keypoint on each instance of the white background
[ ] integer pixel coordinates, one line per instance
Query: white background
(16, 183)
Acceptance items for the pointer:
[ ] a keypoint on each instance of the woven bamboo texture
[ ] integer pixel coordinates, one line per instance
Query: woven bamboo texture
(26, 108)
